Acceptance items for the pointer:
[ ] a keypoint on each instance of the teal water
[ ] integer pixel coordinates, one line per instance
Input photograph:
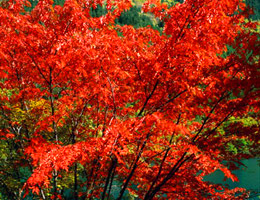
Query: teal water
(248, 175)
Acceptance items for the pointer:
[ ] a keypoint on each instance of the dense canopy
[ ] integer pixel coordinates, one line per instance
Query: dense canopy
(94, 110)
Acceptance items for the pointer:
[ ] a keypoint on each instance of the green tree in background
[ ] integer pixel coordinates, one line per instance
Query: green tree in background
(136, 18)
(255, 4)
(98, 11)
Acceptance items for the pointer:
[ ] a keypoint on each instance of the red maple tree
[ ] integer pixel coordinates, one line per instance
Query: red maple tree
(113, 105)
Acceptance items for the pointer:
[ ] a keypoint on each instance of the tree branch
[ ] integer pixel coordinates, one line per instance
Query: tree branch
(147, 99)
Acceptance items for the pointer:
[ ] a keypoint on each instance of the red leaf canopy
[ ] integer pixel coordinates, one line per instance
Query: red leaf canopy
(127, 105)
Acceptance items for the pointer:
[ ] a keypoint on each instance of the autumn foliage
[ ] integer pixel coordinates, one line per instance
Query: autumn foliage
(89, 105)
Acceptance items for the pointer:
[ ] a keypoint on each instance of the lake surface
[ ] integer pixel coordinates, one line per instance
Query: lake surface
(248, 175)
